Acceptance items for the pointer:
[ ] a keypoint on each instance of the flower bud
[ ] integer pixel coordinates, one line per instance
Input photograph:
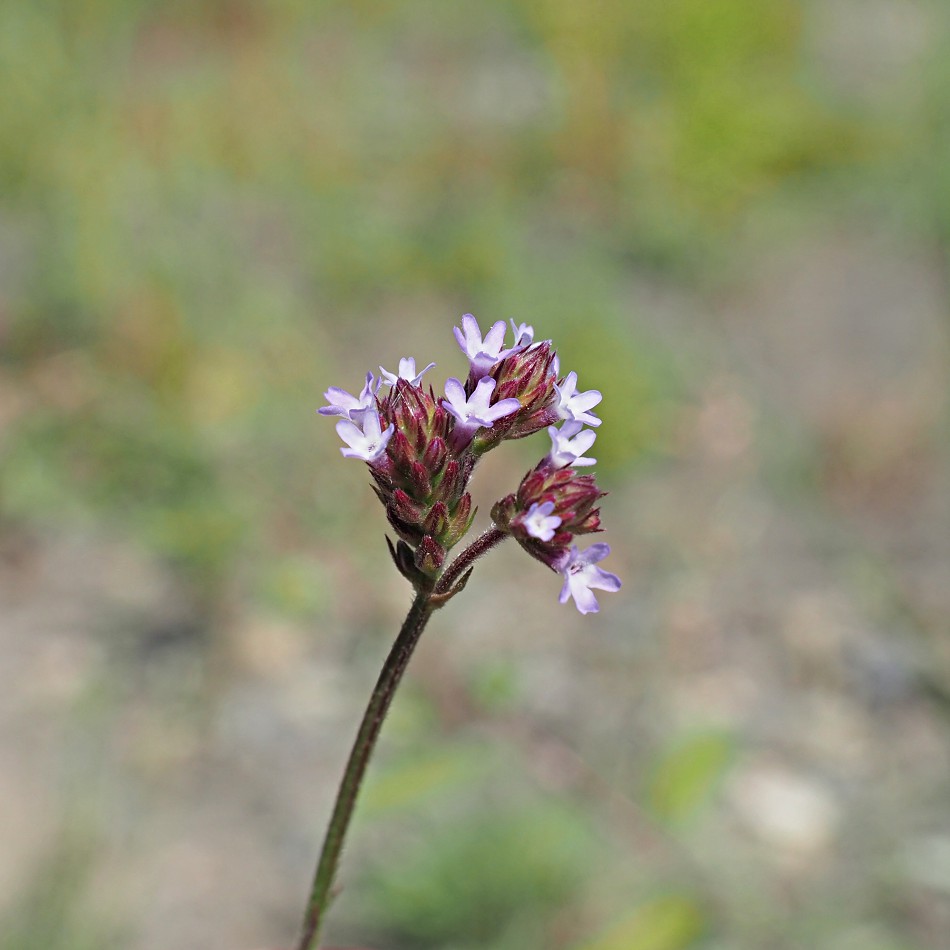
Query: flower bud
(430, 555)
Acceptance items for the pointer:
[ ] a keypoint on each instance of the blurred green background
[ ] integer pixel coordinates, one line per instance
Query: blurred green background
(731, 216)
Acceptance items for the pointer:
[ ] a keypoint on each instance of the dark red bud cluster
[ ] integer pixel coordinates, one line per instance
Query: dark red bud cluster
(420, 484)
(574, 497)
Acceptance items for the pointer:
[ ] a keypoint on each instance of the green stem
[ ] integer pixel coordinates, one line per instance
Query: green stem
(425, 603)
(379, 703)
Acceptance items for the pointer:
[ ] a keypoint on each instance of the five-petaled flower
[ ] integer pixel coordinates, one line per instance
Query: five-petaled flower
(483, 354)
(364, 436)
(575, 406)
(474, 412)
(539, 522)
(582, 576)
(569, 443)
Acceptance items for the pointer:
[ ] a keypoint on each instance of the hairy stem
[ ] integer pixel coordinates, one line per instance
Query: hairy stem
(425, 603)
(376, 710)
(481, 545)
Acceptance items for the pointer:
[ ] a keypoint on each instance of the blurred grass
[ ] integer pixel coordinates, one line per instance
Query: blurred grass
(212, 211)
(210, 206)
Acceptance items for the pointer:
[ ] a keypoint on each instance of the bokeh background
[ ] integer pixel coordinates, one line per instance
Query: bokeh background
(731, 216)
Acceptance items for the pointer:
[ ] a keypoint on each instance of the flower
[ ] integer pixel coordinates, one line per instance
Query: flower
(569, 443)
(539, 522)
(573, 405)
(475, 411)
(524, 335)
(341, 403)
(364, 437)
(482, 353)
(581, 576)
(407, 371)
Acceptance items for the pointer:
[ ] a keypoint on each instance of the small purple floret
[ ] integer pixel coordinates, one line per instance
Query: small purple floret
(361, 432)
(573, 405)
(482, 353)
(407, 371)
(474, 412)
(569, 443)
(341, 403)
(581, 577)
(539, 522)
(524, 334)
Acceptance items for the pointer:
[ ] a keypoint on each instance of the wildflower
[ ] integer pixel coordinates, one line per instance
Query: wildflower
(569, 443)
(573, 405)
(475, 411)
(407, 371)
(581, 577)
(364, 437)
(539, 522)
(524, 335)
(341, 403)
(482, 353)
(421, 450)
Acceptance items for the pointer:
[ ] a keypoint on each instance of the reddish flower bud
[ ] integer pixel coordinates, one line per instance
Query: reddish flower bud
(434, 457)
(437, 520)
(430, 555)
(461, 520)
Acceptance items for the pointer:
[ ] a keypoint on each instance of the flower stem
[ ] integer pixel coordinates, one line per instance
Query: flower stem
(481, 545)
(376, 710)
(426, 601)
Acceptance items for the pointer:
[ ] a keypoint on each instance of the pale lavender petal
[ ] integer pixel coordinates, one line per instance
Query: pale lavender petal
(455, 392)
(495, 339)
(469, 337)
(407, 371)
(478, 401)
(342, 403)
(504, 407)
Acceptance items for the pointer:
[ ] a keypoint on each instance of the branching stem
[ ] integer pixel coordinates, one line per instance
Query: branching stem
(425, 602)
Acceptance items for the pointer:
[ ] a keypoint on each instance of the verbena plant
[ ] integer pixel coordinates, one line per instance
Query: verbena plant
(421, 451)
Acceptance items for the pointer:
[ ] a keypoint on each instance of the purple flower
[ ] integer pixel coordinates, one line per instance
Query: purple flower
(363, 436)
(573, 405)
(581, 577)
(482, 353)
(474, 412)
(524, 335)
(539, 522)
(569, 443)
(341, 403)
(407, 371)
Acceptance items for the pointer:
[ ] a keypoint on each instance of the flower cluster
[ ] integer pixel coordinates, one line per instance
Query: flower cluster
(421, 450)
